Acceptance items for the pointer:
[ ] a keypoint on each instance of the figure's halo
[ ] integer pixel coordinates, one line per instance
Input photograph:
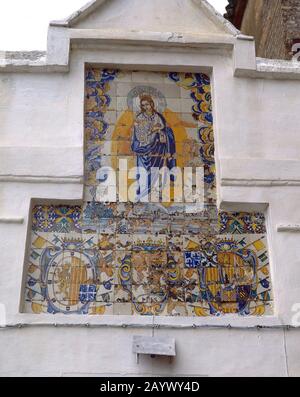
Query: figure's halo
(133, 98)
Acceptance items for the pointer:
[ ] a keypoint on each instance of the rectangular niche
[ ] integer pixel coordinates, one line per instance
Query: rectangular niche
(147, 258)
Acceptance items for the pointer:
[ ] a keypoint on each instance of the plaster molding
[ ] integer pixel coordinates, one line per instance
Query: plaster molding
(141, 38)
(41, 179)
(289, 228)
(11, 220)
(244, 37)
(264, 68)
(259, 182)
(126, 321)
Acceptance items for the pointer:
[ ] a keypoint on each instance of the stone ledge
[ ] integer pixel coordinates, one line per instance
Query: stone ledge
(41, 179)
(26, 57)
(150, 38)
(36, 61)
(289, 228)
(12, 220)
(272, 69)
(259, 182)
(223, 322)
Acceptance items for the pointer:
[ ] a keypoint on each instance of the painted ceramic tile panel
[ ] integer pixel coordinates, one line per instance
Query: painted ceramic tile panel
(147, 258)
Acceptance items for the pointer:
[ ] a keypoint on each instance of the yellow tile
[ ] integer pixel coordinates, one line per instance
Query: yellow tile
(40, 242)
(259, 245)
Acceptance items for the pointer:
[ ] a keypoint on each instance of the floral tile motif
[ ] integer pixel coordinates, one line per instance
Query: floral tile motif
(61, 219)
(242, 222)
(147, 258)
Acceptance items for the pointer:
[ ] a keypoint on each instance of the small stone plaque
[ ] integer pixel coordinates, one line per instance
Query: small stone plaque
(158, 346)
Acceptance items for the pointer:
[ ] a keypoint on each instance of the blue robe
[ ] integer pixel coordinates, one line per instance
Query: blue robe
(154, 154)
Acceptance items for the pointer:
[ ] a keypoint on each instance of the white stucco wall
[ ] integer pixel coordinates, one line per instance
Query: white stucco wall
(258, 166)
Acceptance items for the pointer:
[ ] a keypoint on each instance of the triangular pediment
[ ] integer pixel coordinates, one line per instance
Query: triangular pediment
(178, 16)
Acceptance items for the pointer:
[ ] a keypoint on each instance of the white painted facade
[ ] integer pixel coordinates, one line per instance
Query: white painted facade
(256, 106)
